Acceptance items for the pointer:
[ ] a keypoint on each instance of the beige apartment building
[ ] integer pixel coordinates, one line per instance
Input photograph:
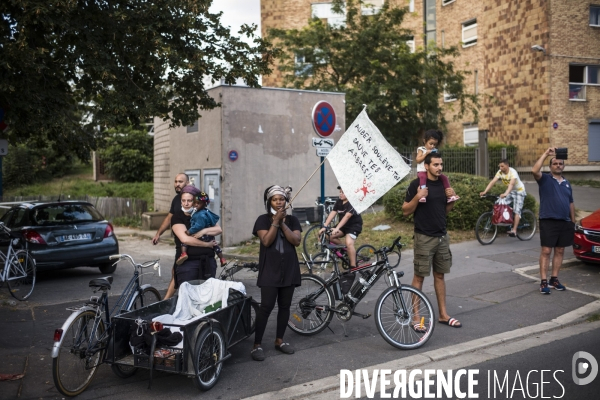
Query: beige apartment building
(534, 63)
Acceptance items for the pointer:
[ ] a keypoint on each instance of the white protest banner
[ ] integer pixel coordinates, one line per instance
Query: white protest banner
(365, 164)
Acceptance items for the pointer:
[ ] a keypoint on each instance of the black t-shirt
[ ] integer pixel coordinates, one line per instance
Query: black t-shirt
(175, 204)
(355, 222)
(277, 269)
(430, 217)
(193, 252)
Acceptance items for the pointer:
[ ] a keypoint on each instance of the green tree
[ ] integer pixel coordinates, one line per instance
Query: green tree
(369, 60)
(127, 154)
(69, 65)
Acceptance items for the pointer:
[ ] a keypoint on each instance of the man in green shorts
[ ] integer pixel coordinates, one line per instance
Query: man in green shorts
(432, 244)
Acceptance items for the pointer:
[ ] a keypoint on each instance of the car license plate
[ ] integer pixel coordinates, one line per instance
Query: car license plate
(595, 249)
(77, 236)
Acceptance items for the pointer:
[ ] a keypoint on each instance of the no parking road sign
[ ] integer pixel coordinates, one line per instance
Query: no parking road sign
(323, 118)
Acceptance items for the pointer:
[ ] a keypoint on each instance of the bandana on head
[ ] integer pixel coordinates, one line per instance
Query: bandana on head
(277, 190)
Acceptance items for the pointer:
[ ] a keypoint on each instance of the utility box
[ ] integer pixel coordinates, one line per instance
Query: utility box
(257, 138)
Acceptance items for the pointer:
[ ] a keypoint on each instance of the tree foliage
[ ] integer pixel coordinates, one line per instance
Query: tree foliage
(70, 65)
(127, 154)
(26, 164)
(368, 58)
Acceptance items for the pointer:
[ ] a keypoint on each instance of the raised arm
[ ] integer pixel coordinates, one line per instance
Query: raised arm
(421, 155)
(537, 167)
(410, 207)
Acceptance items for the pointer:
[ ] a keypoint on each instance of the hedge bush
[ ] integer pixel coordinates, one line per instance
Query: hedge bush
(466, 211)
(128, 155)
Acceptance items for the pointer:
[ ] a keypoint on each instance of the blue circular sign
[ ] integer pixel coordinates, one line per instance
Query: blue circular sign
(233, 155)
(323, 118)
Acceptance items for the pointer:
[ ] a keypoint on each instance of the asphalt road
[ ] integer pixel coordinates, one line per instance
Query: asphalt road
(484, 293)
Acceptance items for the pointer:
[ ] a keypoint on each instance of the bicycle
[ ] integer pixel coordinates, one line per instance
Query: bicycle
(403, 314)
(327, 250)
(227, 275)
(311, 237)
(486, 231)
(82, 344)
(19, 269)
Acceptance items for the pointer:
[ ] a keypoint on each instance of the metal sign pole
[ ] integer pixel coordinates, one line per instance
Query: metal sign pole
(322, 180)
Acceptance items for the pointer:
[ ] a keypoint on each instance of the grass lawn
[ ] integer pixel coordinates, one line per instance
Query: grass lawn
(368, 235)
(80, 183)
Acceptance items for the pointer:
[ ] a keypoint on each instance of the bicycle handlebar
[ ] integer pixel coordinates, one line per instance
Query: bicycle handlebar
(153, 263)
(4, 227)
(395, 244)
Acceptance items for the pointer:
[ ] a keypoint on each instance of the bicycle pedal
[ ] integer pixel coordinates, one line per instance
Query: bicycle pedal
(362, 315)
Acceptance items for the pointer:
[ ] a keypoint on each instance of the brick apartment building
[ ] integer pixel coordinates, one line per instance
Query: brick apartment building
(535, 63)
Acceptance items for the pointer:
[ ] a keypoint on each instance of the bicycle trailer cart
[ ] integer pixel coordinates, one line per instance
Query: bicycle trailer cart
(206, 341)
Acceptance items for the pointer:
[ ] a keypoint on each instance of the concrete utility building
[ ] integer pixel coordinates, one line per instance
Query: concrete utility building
(257, 138)
(535, 63)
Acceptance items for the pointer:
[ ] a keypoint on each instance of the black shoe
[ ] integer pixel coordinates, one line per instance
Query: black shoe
(285, 348)
(258, 354)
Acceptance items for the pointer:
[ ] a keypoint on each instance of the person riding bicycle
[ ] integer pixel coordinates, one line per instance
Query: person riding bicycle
(515, 191)
(350, 225)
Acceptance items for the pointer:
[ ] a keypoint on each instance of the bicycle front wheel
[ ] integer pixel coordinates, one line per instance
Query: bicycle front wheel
(322, 266)
(312, 243)
(148, 296)
(365, 255)
(527, 225)
(485, 231)
(76, 363)
(404, 317)
(21, 275)
(312, 305)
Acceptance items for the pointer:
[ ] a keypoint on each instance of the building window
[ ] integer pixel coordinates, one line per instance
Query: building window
(371, 7)
(324, 11)
(594, 15)
(594, 141)
(469, 33)
(448, 97)
(430, 22)
(446, 2)
(193, 128)
(581, 76)
(471, 136)
(411, 44)
(411, 6)
(303, 65)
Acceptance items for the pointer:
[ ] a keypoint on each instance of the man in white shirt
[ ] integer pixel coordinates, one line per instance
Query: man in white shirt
(515, 191)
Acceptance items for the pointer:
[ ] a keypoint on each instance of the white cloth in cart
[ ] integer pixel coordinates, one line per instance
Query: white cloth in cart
(193, 299)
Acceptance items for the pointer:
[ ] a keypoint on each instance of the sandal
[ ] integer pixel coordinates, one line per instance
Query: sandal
(285, 348)
(512, 234)
(419, 328)
(258, 354)
(453, 322)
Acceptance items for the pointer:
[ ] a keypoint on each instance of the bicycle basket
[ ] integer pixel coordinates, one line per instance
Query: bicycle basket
(346, 281)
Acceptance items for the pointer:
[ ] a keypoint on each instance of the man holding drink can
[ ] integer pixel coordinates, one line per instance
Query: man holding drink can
(557, 215)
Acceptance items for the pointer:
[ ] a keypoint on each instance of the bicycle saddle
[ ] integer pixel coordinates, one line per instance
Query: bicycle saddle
(102, 283)
(335, 246)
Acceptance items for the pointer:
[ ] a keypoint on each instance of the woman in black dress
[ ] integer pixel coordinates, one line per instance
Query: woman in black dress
(279, 271)
(201, 262)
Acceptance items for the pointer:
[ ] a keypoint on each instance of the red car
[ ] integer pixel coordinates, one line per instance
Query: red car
(586, 246)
